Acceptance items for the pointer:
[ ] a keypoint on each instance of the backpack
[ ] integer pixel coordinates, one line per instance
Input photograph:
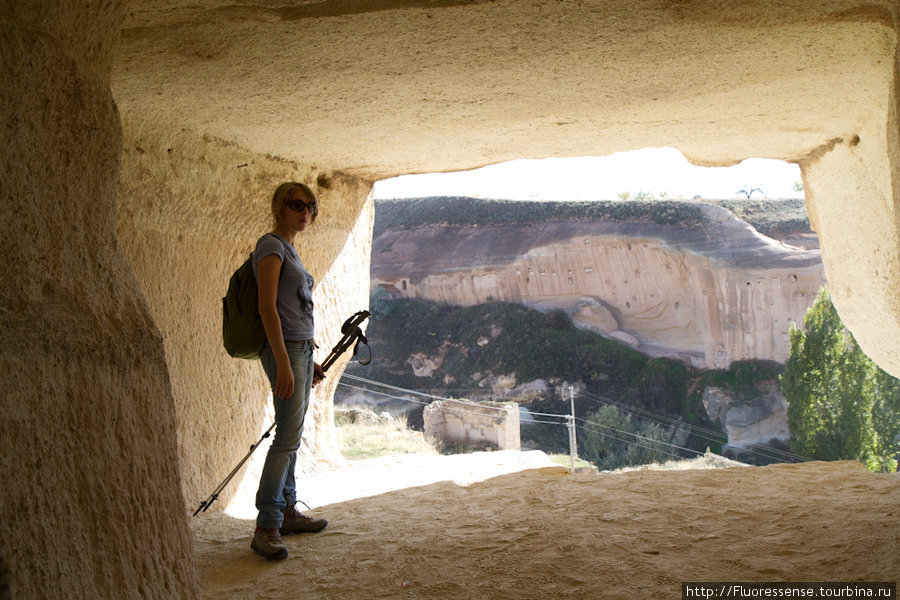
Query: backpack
(242, 328)
(243, 333)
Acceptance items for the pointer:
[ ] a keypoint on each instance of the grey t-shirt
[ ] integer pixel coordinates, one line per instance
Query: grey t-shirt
(295, 287)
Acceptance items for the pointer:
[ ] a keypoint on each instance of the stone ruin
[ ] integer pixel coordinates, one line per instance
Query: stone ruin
(474, 424)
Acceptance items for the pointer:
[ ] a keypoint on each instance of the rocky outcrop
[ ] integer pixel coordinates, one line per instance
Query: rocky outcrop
(710, 292)
(750, 419)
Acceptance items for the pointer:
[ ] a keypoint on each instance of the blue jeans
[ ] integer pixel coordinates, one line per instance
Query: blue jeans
(277, 488)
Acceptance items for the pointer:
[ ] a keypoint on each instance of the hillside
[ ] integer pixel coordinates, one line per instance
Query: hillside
(678, 308)
(684, 280)
(508, 352)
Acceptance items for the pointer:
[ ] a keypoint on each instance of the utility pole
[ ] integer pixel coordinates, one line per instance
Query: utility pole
(573, 445)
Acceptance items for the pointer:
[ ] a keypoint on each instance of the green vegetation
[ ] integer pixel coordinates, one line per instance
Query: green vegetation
(612, 439)
(514, 339)
(841, 405)
(469, 345)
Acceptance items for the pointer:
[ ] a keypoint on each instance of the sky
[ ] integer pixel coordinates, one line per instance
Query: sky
(660, 172)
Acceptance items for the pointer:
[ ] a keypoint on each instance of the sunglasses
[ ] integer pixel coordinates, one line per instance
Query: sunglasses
(300, 206)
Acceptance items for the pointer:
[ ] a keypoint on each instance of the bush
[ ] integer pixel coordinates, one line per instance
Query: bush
(612, 439)
(661, 385)
(559, 320)
(545, 436)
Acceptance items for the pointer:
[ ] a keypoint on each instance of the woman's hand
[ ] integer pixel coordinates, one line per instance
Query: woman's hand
(318, 374)
(284, 381)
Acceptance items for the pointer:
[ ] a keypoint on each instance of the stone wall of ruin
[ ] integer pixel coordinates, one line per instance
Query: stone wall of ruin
(459, 421)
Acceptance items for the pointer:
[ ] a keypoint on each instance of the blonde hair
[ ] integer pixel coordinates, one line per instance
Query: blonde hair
(281, 198)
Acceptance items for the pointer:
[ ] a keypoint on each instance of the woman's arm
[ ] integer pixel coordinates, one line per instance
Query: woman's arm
(268, 270)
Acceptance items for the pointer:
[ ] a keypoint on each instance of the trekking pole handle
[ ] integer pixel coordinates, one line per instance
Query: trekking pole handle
(352, 332)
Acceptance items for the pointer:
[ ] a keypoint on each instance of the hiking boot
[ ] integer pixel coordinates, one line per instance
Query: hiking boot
(296, 522)
(267, 542)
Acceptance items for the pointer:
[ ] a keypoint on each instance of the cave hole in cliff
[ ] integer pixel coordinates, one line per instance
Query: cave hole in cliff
(616, 300)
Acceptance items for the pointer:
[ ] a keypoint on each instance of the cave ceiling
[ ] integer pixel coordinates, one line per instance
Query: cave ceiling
(380, 88)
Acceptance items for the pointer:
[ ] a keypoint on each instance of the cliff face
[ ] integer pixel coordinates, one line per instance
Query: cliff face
(710, 291)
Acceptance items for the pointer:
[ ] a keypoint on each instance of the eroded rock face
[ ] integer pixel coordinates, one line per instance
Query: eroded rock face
(387, 88)
(758, 419)
(90, 504)
(710, 294)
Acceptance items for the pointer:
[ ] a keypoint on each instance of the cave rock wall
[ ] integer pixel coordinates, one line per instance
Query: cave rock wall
(91, 503)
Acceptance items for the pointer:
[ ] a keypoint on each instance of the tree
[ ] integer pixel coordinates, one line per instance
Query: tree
(886, 413)
(840, 404)
(748, 191)
(612, 439)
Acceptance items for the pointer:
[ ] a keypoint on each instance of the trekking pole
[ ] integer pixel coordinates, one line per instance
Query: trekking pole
(215, 495)
(352, 333)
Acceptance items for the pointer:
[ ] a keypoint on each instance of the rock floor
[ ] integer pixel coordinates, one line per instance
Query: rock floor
(546, 533)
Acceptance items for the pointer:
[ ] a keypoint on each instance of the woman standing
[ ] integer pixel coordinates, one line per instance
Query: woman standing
(286, 308)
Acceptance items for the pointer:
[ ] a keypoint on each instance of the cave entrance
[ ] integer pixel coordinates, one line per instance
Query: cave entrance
(645, 175)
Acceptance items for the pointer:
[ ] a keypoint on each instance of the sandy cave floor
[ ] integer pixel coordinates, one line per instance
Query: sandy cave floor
(546, 533)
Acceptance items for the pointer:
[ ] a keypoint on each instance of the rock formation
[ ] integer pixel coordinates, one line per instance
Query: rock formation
(138, 138)
(91, 505)
(710, 292)
(755, 419)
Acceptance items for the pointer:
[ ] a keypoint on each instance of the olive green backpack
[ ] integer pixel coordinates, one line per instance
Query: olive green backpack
(242, 328)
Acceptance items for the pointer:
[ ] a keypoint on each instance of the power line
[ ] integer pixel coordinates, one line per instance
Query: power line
(393, 387)
(456, 409)
(463, 410)
(592, 424)
(657, 418)
(648, 414)
(699, 431)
